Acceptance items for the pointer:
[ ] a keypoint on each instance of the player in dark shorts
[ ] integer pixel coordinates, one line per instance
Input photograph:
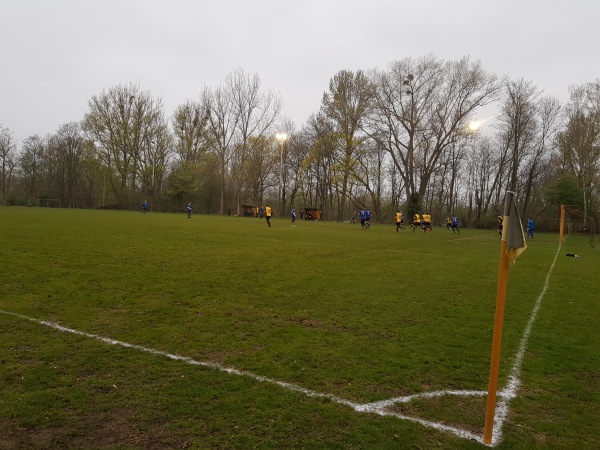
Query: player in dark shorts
(454, 224)
(416, 221)
(399, 220)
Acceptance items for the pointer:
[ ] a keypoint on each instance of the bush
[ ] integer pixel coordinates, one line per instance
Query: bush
(13, 200)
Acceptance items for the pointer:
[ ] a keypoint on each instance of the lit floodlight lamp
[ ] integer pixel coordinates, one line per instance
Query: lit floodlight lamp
(474, 125)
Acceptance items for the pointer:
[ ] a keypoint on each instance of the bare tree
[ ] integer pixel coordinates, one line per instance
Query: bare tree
(156, 154)
(345, 105)
(190, 128)
(93, 187)
(31, 161)
(124, 122)
(8, 160)
(260, 162)
(548, 119)
(580, 141)
(238, 111)
(443, 192)
(66, 149)
(370, 176)
(222, 123)
(257, 112)
(287, 163)
(397, 193)
(487, 166)
(319, 165)
(298, 149)
(517, 123)
(422, 107)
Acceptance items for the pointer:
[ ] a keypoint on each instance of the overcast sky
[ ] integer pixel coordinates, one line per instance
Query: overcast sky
(56, 54)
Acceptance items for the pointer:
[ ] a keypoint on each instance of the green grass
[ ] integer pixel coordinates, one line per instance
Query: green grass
(361, 315)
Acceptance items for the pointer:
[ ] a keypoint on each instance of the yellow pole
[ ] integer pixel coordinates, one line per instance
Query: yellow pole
(490, 408)
(562, 224)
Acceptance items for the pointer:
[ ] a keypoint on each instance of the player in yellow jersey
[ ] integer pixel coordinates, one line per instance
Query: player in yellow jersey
(399, 220)
(416, 221)
(427, 222)
(268, 214)
(500, 219)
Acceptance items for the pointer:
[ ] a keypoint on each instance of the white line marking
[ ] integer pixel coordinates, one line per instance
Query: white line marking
(380, 407)
(374, 408)
(514, 381)
(485, 236)
(410, 398)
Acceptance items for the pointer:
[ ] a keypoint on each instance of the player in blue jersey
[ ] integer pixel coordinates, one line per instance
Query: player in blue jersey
(454, 224)
(530, 228)
(367, 218)
(362, 214)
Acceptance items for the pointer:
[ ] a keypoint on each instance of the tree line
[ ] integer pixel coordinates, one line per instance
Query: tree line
(404, 137)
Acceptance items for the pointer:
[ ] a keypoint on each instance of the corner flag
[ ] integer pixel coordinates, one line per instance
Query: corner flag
(515, 237)
(511, 246)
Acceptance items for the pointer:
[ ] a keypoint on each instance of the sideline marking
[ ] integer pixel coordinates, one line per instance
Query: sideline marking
(379, 407)
(485, 236)
(514, 381)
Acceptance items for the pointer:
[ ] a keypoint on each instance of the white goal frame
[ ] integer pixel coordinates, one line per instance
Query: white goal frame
(49, 202)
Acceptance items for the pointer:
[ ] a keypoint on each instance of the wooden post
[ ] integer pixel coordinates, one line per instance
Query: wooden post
(562, 225)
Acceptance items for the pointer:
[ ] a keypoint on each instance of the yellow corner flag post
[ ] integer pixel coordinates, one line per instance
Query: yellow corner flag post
(512, 245)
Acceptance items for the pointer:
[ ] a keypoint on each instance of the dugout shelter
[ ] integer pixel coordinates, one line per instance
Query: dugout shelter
(249, 211)
(312, 214)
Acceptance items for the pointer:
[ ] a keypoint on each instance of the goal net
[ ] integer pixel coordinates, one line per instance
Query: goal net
(575, 221)
(49, 202)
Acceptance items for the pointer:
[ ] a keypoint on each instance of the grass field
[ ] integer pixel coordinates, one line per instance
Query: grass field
(219, 332)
